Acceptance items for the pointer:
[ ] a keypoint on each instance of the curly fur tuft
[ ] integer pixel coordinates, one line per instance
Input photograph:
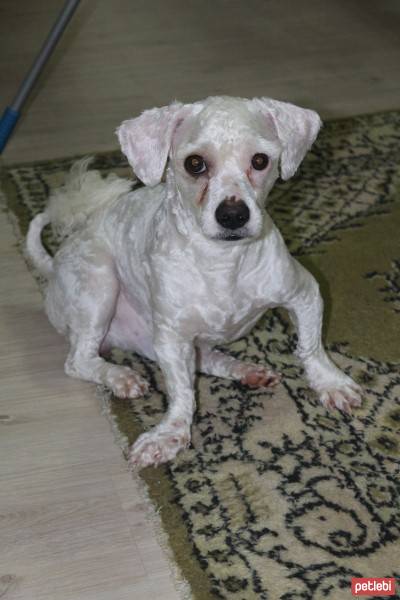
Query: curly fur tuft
(70, 206)
(83, 192)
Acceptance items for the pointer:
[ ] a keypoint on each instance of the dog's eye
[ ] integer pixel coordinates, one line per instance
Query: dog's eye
(195, 164)
(260, 162)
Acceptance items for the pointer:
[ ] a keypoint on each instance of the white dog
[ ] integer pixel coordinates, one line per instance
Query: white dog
(176, 267)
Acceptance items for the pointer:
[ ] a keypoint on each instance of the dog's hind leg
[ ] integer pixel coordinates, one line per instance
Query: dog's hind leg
(84, 362)
(88, 288)
(215, 362)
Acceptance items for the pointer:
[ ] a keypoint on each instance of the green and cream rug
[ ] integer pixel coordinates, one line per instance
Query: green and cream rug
(277, 498)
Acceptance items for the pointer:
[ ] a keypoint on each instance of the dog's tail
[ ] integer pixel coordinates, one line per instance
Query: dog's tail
(70, 206)
(34, 247)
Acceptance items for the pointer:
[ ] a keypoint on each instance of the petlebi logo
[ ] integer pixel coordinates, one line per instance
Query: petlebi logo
(373, 586)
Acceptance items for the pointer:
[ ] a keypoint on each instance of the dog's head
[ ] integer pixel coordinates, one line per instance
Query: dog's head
(224, 156)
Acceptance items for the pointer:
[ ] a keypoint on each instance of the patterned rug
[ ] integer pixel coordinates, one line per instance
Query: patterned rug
(277, 498)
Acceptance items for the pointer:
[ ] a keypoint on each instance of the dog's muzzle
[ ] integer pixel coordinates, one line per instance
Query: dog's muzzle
(232, 213)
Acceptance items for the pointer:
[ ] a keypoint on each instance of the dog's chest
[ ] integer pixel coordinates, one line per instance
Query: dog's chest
(228, 321)
(212, 301)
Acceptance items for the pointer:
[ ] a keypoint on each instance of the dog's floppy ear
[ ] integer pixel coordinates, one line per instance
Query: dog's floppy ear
(146, 141)
(296, 129)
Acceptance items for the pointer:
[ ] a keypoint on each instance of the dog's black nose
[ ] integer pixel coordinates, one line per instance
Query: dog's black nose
(232, 213)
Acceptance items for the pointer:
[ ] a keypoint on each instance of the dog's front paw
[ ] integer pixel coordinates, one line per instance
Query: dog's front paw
(256, 376)
(159, 445)
(343, 397)
(125, 383)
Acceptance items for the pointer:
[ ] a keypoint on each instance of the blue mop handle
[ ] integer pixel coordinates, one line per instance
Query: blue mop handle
(13, 112)
(7, 124)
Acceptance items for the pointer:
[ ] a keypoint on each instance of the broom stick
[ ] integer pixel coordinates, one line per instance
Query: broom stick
(13, 112)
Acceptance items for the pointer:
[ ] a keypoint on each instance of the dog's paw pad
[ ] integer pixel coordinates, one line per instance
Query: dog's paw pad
(344, 398)
(156, 447)
(125, 383)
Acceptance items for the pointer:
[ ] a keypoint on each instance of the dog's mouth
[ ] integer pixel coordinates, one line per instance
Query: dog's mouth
(239, 235)
(231, 238)
(227, 235)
